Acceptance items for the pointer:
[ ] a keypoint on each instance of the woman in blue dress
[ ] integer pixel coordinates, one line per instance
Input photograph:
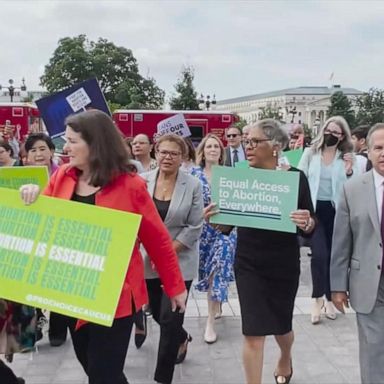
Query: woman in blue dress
(217, 250)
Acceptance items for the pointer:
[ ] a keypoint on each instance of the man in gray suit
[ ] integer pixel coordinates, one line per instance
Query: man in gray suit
(235, 150)
(357, 258)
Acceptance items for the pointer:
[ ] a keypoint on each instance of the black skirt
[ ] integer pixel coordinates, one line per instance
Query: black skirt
(267, 288)
(267, 271)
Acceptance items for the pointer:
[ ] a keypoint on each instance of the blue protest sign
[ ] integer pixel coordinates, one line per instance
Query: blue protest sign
(80, 97)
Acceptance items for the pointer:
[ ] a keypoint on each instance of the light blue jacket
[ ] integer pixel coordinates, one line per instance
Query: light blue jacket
(310, 164)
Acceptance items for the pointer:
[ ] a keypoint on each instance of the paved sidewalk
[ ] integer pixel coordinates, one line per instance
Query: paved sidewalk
(324, 353)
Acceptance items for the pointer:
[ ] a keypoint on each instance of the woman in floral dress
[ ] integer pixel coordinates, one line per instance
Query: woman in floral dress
(217, 249)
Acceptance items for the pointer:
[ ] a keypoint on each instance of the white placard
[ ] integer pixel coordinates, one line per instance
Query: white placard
(173, 125)
(78, 100)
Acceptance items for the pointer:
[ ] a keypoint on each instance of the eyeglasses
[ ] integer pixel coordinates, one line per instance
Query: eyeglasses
(253, 143)
(334, 133)
(171, 154)
(232, 135)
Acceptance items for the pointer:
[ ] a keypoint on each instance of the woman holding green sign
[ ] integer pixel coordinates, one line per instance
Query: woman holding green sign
(99, 173)
(267, 264)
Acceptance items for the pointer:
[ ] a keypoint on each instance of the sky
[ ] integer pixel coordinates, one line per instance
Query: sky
(237, 48)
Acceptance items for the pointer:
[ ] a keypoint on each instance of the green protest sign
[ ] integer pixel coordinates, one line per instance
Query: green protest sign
(15, 177)
(64, 256)
(242, 164)
(294, 156)
(255, 198)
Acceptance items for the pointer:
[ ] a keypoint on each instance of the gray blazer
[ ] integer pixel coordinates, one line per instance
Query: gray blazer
(356, 259)
(184, 221)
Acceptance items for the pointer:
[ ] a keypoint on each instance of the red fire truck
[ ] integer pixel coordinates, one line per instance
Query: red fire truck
(133, 122)
(22, 117)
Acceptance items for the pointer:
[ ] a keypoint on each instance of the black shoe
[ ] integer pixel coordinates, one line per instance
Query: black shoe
(281, 379)
(181, 357)
(56, 342)
(140, 337)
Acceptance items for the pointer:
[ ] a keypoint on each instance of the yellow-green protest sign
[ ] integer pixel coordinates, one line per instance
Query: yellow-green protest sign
(64, 256)
(15, 177)
(255, 198)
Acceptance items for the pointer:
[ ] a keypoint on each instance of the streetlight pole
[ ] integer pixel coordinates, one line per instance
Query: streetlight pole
(292, 111)
(12, 89)
(207, 102)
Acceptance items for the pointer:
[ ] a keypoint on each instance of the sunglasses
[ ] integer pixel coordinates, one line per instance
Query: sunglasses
(232, 135)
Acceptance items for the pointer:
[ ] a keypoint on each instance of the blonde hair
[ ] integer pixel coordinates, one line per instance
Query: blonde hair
(344, 145)
(200, 160)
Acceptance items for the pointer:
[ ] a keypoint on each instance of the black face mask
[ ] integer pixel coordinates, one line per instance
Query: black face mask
(330, 140)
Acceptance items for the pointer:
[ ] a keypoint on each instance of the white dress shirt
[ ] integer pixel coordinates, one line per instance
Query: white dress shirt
(240, 153)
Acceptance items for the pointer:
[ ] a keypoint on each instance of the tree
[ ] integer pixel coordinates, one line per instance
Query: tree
(77, 59)
(370, 107)
(186, 98)
(270, 112)
(341, 106)
(240, 123)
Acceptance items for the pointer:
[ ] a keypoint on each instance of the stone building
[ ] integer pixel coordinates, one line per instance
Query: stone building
(302, 105)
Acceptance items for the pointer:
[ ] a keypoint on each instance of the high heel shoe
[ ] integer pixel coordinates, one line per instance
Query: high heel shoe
(316, 310)
(330, 312)
(140, 337)
(184, 349)
(281, 379)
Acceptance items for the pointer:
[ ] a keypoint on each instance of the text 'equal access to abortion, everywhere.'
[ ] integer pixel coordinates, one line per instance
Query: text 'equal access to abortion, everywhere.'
(255, 198)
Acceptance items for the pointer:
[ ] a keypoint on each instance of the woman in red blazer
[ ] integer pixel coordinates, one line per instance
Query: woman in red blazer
(99, 173)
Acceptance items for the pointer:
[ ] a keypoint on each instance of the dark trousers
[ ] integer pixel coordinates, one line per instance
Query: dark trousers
(6, 374)
(321, 245)
(102, 350)
(172, 333)
(58, 325)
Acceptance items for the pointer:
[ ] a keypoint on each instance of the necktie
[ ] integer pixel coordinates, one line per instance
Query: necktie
(235, 156)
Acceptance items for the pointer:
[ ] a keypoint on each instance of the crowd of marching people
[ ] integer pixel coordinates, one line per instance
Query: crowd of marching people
(168, 182)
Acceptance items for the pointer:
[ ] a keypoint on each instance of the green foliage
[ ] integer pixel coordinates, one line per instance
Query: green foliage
(241, 123)
(28, 98)
(113, 106)
(186, 97)
(307, 131)
(341, 106)
(270, 112)
(370, 107)
(77, 59)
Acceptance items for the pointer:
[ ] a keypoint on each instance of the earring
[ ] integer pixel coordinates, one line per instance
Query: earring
(274, 153)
